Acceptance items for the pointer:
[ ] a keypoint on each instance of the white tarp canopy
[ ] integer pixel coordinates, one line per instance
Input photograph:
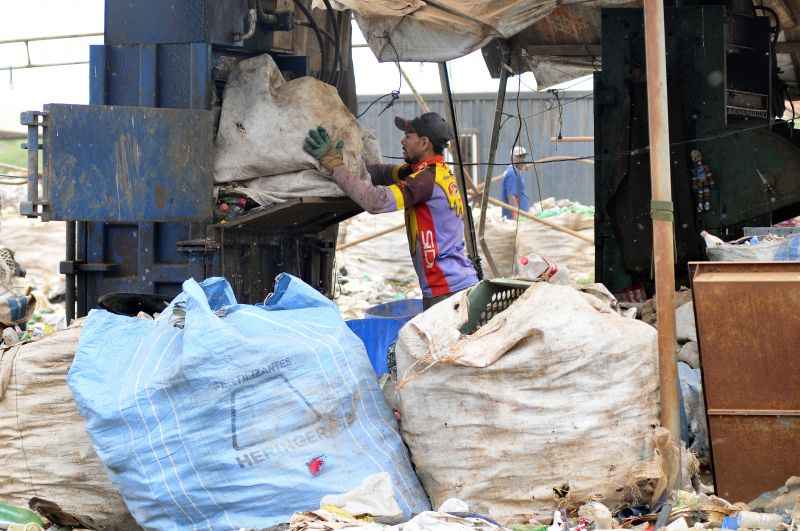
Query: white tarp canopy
(441, 30)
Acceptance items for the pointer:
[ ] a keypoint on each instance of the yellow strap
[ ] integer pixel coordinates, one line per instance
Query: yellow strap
(411, 230)
(400, 201)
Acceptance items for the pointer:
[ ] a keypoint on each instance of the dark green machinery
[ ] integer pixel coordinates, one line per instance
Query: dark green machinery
(725, 103)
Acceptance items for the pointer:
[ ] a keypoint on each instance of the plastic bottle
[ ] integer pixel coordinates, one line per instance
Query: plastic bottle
(751, 520)
(11, 514)
(531, 268)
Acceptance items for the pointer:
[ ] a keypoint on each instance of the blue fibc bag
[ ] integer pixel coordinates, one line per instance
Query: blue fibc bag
(225, 416)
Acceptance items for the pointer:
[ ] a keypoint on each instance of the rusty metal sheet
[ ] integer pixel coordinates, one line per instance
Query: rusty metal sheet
(748, 327)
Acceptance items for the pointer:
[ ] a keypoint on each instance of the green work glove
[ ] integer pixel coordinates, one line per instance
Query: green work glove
(320, 146)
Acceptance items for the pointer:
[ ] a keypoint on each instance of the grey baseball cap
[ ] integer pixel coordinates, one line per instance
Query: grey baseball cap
(430, 124)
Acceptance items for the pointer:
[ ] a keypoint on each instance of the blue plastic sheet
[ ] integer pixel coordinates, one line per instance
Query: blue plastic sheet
(789, 251)
(240, 418)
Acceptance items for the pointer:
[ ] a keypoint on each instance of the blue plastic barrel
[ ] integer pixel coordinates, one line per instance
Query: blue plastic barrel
(402, 310)
(379, 329)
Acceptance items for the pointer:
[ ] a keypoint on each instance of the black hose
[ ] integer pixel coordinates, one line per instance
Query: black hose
(320, 41)
(325, 33)
(337, 61)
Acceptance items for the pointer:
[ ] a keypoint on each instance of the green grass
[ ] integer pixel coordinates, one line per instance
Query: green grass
(11, 153)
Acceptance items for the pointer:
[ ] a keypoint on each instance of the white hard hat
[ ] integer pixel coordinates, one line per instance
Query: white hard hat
(518, 151)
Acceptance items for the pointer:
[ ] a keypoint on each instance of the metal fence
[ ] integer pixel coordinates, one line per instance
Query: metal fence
(546, 116)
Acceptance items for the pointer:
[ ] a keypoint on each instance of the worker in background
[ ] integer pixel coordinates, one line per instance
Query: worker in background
(425, 188)
(514, 192)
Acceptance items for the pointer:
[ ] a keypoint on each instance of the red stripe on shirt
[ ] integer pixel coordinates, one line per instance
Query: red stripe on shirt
(426, 231)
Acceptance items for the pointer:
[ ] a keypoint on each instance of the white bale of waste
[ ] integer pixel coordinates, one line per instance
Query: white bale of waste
(500, 237)
(555, 390)
(509, 240)
(45, 450)
(565, 250)
(263, 125)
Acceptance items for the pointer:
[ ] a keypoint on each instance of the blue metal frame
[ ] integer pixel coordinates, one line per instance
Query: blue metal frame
(143, 257)
(121, 164)
(162, 55)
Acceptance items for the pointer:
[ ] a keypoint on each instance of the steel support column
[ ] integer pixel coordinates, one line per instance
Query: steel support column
(487, 181)
(469, 223)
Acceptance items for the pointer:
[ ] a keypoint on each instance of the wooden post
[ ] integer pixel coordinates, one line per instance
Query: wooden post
(663, 236)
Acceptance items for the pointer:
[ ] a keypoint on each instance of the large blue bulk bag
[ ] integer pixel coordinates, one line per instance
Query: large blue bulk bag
(235, 416)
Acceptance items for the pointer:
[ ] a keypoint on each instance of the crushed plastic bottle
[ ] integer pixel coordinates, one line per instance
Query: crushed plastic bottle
(536, 268)
(752, 520)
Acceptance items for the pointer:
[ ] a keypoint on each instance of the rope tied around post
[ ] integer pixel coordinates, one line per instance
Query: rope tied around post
(662, 211)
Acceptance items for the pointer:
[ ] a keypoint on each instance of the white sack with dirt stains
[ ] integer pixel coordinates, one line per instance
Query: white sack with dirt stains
(556, 390)
(45, 450)
(263, 125)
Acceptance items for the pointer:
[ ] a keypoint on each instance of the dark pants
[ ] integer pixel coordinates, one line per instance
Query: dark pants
(428, 302)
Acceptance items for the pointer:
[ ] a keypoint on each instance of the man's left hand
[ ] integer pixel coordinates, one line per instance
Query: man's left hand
(319, 145)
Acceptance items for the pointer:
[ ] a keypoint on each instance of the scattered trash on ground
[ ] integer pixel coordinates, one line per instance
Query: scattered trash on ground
(687, 510)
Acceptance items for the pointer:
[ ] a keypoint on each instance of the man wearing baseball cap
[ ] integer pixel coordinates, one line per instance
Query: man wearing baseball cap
(425, 189)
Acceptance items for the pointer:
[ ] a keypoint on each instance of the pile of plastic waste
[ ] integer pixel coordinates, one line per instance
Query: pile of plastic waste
(25, 314)
(30, 285)
(376, 271)
(279, 403)
(372, 507)
(764, 248)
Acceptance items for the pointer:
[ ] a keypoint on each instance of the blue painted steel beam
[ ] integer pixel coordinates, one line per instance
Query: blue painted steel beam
(138, 164)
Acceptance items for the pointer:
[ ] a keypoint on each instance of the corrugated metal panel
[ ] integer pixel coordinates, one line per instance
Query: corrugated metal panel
(475, 113)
